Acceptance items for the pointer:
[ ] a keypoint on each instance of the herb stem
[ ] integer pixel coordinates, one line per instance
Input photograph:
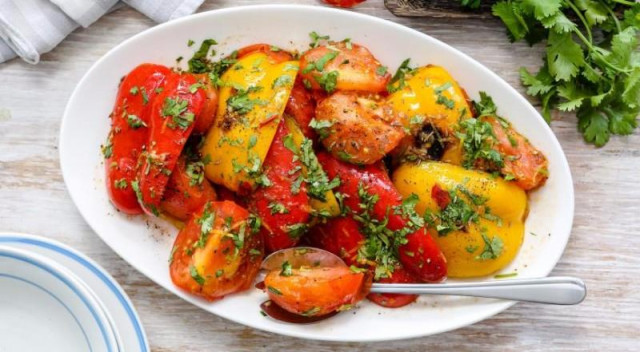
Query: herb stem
(623, 2)
(588, 43)
(613, 16)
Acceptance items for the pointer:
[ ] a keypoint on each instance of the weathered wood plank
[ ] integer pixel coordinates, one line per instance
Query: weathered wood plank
(438, 9)
(602, 250)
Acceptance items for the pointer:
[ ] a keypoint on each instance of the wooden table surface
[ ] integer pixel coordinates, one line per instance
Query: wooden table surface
(603, 248)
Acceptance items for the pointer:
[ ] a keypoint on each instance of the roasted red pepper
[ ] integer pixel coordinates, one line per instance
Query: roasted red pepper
(173, 116)
(129, 132)
(420, 254)
(282, 203)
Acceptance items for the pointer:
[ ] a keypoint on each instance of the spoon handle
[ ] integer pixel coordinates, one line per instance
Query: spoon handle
(551, 290)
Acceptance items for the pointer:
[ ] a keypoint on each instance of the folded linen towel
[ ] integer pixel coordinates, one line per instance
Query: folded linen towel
(29, 28)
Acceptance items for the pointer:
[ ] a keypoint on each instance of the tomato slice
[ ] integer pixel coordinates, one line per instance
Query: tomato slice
(172, 119)
(217, 252)
(362, 128)
(274, 53)
(129, 132)
(187, 190)
(283, 204)
(316, 291)
(354, 66)
(527, 165)
(420, 255)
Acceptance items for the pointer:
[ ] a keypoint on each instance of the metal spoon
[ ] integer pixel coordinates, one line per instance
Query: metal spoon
(550, 290)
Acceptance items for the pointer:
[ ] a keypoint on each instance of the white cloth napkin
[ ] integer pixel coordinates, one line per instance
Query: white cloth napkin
(29, 28)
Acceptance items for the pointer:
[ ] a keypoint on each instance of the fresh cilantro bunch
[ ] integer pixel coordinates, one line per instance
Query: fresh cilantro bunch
(592, 63)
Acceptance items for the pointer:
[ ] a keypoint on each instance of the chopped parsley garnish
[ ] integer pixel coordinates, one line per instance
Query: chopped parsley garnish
(135, 122)
(321, 127)
(195, 171)
(318, 183)
(274, 290)
(507, 275)
(381, 243)
(195, 275)
(328, 81)
(492, 248)
(107, 149)
(286, 269)
(134, 90)
(199, 62)
(381, 70)
(190, 43)
(478, 142)
(311, 312)
(206, 225)
(120, 184)
(177, 109)
(316, 38)
(296, 230)
(253, 140)
(282, 81)
(241, 103)
(398, 80)
(219, 273)
(277, 208)
(194, 87)
(145, 96)
(319, 64)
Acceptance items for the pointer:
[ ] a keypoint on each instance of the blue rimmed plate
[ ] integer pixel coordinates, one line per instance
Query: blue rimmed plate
(108, 293)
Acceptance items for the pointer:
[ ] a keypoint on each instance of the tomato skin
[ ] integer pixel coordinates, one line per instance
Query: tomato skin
(340, 236)
(522, 160)
(182, 198)
(302, 107)
(424, 259)
(363, 128)
(276, 167)
(166, 140)
(356, 66)
(127, 142)
(208, 114)
(316, 291)
(277, 56)
(344, 3)
(393, 300)
(222, 271)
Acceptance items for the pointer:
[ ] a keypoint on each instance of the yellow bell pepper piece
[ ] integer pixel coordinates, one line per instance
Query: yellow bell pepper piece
(485, 246)
(330, 205)
(431, 95)
(251, 104)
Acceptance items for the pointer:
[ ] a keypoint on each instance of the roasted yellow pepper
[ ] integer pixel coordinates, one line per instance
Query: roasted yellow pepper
(252, 100)
(330, 205)
(431, 95)
(479, 218)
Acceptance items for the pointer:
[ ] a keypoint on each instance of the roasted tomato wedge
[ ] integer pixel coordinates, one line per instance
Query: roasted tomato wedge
(522, 161)
(129, 132)
(316, 291)
(208, 114)
(218, 252)
(358, 128)
(187, 190)
(274, 53)
(394, 300)
(343, 66)
(370, 185)
(173, 115)
(282, 203)
(302, 107)
(344, 3)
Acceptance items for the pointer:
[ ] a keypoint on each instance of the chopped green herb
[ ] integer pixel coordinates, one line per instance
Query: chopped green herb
(316, 38)
(135, 122)
(296, 230)
(274, 290)
(398, 80)
(492, 248)
(282, 81)
(121, 183)
(134, 90)
(504, 276)
(195, 275)
(277, 208)
(286, 269)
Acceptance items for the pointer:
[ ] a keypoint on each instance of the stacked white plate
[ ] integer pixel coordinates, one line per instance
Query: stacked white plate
(53, 298)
